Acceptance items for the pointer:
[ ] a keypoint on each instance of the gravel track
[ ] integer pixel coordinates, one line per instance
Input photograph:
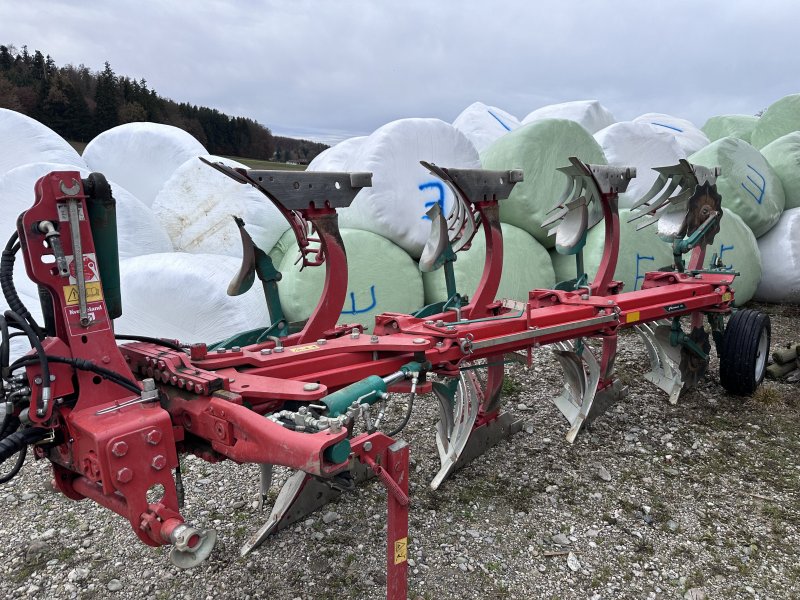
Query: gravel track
(697, 500)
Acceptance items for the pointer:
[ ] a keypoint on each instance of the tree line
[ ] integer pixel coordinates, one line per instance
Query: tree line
(78, 104)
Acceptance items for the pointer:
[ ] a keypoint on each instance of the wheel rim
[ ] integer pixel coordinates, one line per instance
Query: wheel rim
(761, 354)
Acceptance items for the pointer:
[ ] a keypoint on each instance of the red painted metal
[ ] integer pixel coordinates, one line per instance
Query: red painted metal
(212, 404)
(389, 461)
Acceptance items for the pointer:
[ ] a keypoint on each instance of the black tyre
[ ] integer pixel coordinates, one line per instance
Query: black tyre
(745, 348)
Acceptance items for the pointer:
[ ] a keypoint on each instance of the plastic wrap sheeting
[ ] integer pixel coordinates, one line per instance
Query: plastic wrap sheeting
(539, 149)
(197, 205)
(484, 124)
(141, 156)
(25, 140)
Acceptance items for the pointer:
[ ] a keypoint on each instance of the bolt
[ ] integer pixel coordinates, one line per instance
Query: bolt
(124, 475)
(584, 296)
(153, 437)
(266, 351)
(440, 344)
(37, 380)
(159, 462)
(428, 322)
(373, 339)
(221, 350)
(236, 349)
(119, 449)
(321, 342)
(310, 387)
(278, 349)
(450, 328)
(418, 341)
(354, 333)
(367, 446)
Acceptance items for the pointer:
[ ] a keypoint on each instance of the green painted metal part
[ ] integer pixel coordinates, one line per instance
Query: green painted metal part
(366, 391)
(263, 267)
(338, 453)
(102, 210)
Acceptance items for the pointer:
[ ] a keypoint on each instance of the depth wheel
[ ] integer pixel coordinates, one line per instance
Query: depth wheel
(745, 347)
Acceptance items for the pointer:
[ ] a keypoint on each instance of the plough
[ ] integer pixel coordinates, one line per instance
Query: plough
(113, 419)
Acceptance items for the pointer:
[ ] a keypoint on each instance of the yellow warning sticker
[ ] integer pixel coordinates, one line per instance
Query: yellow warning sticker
(632, 316)
(304, 348)
(400, 550)
(726, 297)
(94, 293)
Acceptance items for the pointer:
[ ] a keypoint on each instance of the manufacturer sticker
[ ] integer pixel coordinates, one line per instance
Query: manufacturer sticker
(400, 550)
(304, 348)
(675, 307)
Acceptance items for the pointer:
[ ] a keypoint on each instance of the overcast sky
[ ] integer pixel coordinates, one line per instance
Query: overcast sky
(333, 69)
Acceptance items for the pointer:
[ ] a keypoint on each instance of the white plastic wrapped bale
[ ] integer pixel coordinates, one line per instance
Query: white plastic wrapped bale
(526, 266)
(638, 145)
(484, 124)
(381, 277)
(639, 252)
(539, 149)
(738, 126)
(138, 229)
(336, 157)
(688, 135)
(403, 190)
(590, 114)
(783, 155)
(748, 185)
(780, 118)
(25, 140)
(141, 156)
(780, 257)
(184, 296)
(197, 204)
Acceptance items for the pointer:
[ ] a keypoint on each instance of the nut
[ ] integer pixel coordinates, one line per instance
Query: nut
(119, 449)
(124, 475)
(159, 462)
(153, 437)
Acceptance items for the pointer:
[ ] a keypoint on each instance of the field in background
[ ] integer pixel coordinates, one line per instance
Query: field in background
(253, 163)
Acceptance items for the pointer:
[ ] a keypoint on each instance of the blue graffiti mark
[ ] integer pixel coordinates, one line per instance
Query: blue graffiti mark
(499, 120)
(439, 186)
(357, 311)
(722, 249)
(667, 126)
(639, 259)
(761, 188)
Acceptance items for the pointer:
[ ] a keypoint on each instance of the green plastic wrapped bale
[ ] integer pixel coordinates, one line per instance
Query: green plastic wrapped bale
(738, 126)
(780, 118)
(748, 185)
(286, 242)
(738, 249)
(783, 155)
(526, 266)
(381, 277)
(639, 252)
(539, 149)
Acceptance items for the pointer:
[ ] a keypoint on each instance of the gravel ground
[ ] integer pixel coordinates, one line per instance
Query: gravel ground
(697, 500)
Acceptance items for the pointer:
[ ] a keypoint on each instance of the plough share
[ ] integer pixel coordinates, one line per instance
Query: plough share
(113, 419)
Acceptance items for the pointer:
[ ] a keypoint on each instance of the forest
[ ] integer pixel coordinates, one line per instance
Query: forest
(78, 104)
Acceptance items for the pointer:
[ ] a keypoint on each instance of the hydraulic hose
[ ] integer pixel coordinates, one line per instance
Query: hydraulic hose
(84, 365)
(20, 440)
(36, 344)
(7, 284)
